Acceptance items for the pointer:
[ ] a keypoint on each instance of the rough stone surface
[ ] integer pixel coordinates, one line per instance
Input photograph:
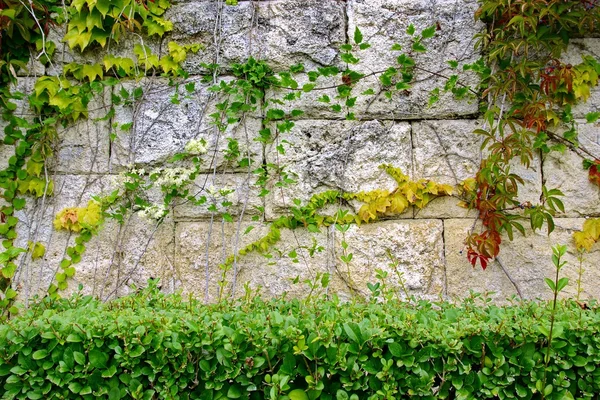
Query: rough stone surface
(244, 197)
(118, 257)
(340, 155)
(195, 22)
(163, 127)
(416, 246)
(84, 147)
(410, 251)
(385, 22)
(301, 31)
(527, 259)
(283, 32)
(565, 172)
(274, 274)
(448, 152)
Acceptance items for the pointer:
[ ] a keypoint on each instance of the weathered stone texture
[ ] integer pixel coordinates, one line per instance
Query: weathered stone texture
(284, 33)
(118, 257)
(244, 198)
(449, 152)
(527, 259)
(226, 33)
(338, 155)
(385, 22)
(163, 126)
(415, 246)
(83, 147)
(411, 252)
(421, 250)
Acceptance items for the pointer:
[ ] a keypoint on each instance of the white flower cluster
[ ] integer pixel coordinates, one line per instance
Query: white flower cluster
(178, 176)
(196, 146)
(153, 212)
(126, 176)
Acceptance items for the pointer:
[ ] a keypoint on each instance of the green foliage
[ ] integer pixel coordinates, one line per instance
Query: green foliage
(99, 21)
(155, 346)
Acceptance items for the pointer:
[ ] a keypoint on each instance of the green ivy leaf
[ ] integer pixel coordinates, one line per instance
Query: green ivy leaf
(429, 32)
(358, 36)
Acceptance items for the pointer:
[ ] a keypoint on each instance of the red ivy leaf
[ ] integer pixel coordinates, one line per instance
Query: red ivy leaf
(594, 174)
(473, 257)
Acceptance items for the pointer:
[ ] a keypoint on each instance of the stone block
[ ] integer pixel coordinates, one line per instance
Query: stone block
(384, 23)
(416, 246)
(338, 155)
(163, 126)
(307, 32)
(225, 32)
(565, 172)
(83, 147)
(202, 247)
(449, 152)
(244, 197)
(282, 32)
(33, 67)
(410, 251)
(527, 259)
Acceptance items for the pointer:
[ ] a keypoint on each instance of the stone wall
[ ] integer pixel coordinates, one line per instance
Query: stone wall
(324, 151)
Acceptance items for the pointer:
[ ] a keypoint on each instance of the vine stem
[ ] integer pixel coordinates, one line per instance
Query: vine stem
(510, 278)
(353, 81)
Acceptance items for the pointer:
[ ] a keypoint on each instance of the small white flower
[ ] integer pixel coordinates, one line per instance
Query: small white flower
(153, 212)
(178, 177)
(196, 146)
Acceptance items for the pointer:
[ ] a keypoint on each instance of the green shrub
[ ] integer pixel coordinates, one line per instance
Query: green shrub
(155, 346)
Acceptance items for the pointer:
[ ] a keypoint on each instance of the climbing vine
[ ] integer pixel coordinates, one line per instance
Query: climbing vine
(530, 94)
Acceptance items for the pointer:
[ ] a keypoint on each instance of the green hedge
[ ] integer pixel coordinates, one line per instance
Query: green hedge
(152, 346)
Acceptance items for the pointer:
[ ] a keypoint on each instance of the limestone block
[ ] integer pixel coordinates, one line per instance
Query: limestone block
(565, 172)
(202, 247)
(163, 126)
(449, 152)
(36, 225)
(225, 32)
(417, 248)
(338, 155)
(33, 67)
(300, 31)
(244, 197)
(527, 259)
(24, 85)
(579, 47)
(412, 104)
(410, 251)
(6, 152)
(308, 102)
(283, 32)
(81, 147)
(385, 22)
(84, 146)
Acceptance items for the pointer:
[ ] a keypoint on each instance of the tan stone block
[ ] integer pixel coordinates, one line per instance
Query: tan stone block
(527, 259)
